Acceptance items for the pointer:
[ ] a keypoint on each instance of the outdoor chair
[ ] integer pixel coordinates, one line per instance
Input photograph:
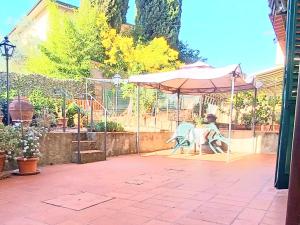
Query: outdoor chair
(215, 138)
(182, 136)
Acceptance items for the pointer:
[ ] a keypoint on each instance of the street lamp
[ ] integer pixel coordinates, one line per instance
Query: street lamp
(116, 80)
(7, 50)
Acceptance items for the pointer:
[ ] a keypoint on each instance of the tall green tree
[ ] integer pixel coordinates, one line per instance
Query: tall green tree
(114, 10)
(72, 43)
(189, 55)
(159, 18)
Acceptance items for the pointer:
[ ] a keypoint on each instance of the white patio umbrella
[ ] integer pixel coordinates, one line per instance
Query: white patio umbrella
(198, 78)
(194, 79)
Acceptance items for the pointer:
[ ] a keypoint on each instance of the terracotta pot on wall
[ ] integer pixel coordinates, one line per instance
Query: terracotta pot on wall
(2, 161)
(60, 122)
(27, 166)
(15, 108)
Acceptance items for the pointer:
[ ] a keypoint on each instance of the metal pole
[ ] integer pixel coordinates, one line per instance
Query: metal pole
(105, 131)
(254, 119)
(230, 118)
(138, 120)
(116, 100)
(178, 107)
(21, 113)
(64, 111)
(7, 92)
(293, 206)
(92, 114)
(155, 115)
(78, 137)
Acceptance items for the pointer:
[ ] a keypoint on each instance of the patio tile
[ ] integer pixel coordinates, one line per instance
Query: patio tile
(174, 192)
(78, 201)
(72, 222)
(120, 218)
(157, 222)
(173, 215)
(244, 222)
(23, 221)
(189, 221)
(252, 215)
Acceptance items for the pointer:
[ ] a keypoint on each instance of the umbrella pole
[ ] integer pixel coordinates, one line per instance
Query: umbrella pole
(178, 109)
(138, 119)
(230, 118)
(254, 120)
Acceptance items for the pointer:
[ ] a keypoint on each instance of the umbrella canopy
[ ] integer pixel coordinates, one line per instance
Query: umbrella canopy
(197, 78)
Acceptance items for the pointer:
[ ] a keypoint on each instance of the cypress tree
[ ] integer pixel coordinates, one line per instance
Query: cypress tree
(159, 18)
(114, 10)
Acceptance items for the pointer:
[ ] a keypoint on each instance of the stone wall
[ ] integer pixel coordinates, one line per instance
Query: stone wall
(243, 141)
(57, 148)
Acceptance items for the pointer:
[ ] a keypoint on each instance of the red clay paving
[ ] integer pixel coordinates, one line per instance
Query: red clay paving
(153, 190)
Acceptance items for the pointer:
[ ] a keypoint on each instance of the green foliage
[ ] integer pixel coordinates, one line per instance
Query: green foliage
(72, 43)
(247, 119)
(114, 10)
(189, 55)
(10, 141)
(111, 127)
(26, 84)
(71, 112)
(159, 18)
(41, 101)
(242, 101)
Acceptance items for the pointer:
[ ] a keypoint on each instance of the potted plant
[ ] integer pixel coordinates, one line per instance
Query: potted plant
(9, 144)
(30, 153)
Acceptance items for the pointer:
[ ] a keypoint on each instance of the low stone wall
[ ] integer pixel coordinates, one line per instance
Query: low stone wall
(243, 141)
(57, 148)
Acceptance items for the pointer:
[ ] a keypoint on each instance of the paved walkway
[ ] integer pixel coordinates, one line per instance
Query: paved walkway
(153, 190)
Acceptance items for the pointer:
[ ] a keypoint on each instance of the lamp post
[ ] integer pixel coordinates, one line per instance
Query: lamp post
(116, 80)
(7, 50)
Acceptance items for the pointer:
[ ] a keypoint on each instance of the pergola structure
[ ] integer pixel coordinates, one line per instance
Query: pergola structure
(196, 79)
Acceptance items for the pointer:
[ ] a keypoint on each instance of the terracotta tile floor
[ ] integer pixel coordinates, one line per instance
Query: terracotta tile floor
(152, 190)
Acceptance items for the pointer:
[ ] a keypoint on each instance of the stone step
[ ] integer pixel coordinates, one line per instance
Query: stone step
(88, 156)
(84, 145)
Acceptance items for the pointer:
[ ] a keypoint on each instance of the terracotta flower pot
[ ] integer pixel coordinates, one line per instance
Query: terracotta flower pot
(27, 166)
(60, 122)
(2, 161)
(16, 107)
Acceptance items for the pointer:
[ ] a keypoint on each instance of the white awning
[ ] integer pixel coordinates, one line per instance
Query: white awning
(195, 80)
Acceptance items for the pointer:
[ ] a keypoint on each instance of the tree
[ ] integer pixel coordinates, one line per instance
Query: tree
(114, 10)
(72, 43)
(189, 55)
(159, 18)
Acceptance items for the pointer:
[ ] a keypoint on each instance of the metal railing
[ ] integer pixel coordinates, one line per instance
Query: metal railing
(92, 100)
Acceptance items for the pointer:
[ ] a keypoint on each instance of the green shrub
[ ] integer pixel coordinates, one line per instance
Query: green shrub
(71, 112)
(111, 127)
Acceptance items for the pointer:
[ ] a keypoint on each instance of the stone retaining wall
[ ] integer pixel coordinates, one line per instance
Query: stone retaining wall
(57, 148)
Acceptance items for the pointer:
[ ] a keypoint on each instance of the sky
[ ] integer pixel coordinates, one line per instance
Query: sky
(225, 32)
